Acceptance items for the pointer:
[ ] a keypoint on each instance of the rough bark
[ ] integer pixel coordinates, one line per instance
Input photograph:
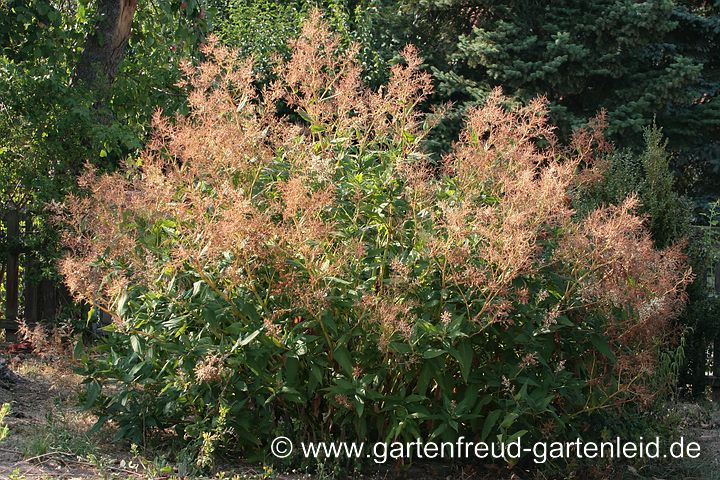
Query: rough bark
(49, 299)
(105, 46)
(30, 282)
(12, 223)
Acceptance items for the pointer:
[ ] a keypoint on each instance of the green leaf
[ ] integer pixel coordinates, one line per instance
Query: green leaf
(122, 304)
(79, 348)
(601, 344)
(92, 393)
(469, 399)
(401, 348)
(433, 353)
(359, 405)
(464, 356)
(291, 370)
(509, 419)
(426, 374)
(342, 357)
(245, 341)
(134, 371)
(516, 435)
(196, 288)
(135, 344)
(99, 424)
(489, 423)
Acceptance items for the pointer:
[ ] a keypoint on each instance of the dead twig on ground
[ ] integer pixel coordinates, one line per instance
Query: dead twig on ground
(41, 459)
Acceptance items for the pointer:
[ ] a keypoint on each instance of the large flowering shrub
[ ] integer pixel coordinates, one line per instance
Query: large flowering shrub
(312, 274)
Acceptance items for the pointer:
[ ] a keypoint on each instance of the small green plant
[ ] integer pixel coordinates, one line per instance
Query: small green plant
(58, 435)
(4, 430)
(15, 475)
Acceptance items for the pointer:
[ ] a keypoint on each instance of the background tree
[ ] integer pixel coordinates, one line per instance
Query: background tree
(694, 129)
(635, 60)
(76, 86)
(262, 28)
(105, 44)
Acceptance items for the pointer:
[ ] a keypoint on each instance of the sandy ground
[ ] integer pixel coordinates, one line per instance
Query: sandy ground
(702, 424)
(43, 396)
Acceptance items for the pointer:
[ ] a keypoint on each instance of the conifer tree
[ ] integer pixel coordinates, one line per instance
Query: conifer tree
(637, 60)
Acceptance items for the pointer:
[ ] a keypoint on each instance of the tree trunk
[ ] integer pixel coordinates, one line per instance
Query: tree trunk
(48, 299)
(96, 70)
(30, 280)
(31, 311)
(12, 223)
(105, 46)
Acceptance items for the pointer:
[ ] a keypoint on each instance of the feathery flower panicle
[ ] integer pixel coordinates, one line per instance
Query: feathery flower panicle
(210, 369)
(272, 329)
(621, 268)
(400, 270)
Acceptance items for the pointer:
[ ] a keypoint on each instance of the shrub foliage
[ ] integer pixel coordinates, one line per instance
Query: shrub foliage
(313, 275)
